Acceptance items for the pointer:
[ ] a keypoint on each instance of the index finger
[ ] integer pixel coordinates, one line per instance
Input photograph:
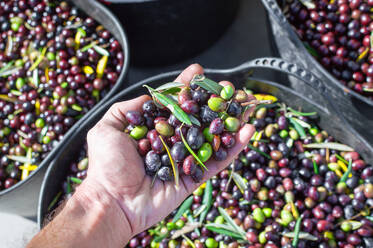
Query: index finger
(187, 75)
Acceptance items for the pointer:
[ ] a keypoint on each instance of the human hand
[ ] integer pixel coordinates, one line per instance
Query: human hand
(116, 169)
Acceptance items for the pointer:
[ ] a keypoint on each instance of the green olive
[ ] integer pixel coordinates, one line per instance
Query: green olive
(19, 83)
(216, 104)
(267, 212)
(283, 134)
(346, 226)
(219, 219)
(227, 92)
(172, 243)
(208, 136)
(314, 131)
(46, 140)
(262, 238)
(258, 215)
(286, 217)
(232, 124)
(51, 56)
(198, 191)
(179, 224)
(294, 134)
(138, 132)
(205, 152)
(211, 243)
(171, 226)
(39, 123)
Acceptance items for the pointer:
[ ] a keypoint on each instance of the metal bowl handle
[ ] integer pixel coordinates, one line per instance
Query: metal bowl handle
(291, 69)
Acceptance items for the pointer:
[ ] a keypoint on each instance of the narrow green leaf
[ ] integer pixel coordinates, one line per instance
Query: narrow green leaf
(159, 238)
(296, 232)
(370, 218)
(302, 235)
(341, 158)
(76, 180)
(35, 78)
(85, 48)
(240, 182)
(223, 231)
(311, 50)
(230, 221)
(184, 207)
(345, 175)
(298, 127)
(258, 151)
(192, 152)
(194, 120)
(355, 224)
(302, 123)
(367, 89)
(207, 84)
(169, 85)
(188, 241)
(207, 200)
(101, 50)
(330, 145)
(301, 113)
(308, 4)
(315, 167)
(371, 40)
(38, 60)
(54, 201)
(82, 32)
(171, 105)
(199, 210)
(191, 220)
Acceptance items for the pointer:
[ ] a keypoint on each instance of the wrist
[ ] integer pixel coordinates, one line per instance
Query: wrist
(103, 214)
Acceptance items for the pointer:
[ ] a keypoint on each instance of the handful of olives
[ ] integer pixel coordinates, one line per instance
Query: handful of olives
(186, 126)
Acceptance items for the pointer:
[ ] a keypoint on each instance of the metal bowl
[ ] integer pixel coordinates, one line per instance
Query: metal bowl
(357, 109)
(22, 198)
(329, 117)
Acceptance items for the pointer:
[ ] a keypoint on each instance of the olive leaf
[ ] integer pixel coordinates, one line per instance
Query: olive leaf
(8, 69)
(76, 180)
(355, 224)
(296, 232)
(21, 159)
(199, 210)
(330, 145)
(259, 151)
(302, 123)
(230, 221)
(171, 105)
(175, 168)
(207, 84)
(101, 50)
(207, 200)
(186, 229)
(368, 89)
(43, 132)
(225, 230)
(363, 54)
(315, 167)
(191, 151)
(90, 45)
(308, 4)
(301, 235)
(194, 120)
(54, 201)
(169, 85)
(190, 242)
(159, 238)
(39, 59)
(370, 218)
(298, 127)
(183, 208)
(35, 78)
(341, 158)
(7, 98)
(240, 182)
(298, 113)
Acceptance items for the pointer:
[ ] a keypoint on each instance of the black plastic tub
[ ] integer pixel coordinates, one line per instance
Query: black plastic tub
(329, 117)
(167, 31)
(356, 108)
(22, 198)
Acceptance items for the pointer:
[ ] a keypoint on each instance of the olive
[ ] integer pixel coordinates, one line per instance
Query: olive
(149, 107)
(200, 96)
(198, 175)
(216, 104)
(234, 109)
(138, 132)
(232, 124)
(164, 173)
(207, 115)
(227, 92)
(178, 152)
(184, 95)
(163, 128)
(190, 107)
(195, 138)
(217, 126)
(228, 140)
(134, 118)
(152, 162)
(221, 154)
(189, 165)
(205, 152)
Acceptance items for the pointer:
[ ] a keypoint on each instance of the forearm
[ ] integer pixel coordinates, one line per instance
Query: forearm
(89, 219)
